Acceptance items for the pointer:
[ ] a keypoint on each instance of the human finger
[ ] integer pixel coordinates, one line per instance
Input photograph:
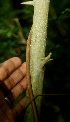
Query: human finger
(1, 64)
(17, 90)
(19, 107)
(8, 67)
(15, 77)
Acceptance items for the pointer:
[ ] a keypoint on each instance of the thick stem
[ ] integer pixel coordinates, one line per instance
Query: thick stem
(37, 53)
(38, 44)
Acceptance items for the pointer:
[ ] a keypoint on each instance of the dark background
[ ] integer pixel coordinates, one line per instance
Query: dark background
(57, 78)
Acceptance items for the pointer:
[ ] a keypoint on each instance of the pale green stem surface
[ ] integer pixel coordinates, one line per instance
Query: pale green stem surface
(37, 53)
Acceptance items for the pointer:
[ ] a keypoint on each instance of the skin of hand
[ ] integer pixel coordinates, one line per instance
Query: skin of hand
(12, 84)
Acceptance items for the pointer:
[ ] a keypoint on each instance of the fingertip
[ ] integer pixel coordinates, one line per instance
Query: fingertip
(16, 61)
(23, 68)
(24, 65)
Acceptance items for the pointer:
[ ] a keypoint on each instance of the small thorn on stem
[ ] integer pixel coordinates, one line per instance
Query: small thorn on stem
(28, 3)
(47, 59)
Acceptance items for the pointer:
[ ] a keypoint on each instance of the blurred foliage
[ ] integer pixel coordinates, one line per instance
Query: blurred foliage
(57, 77)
